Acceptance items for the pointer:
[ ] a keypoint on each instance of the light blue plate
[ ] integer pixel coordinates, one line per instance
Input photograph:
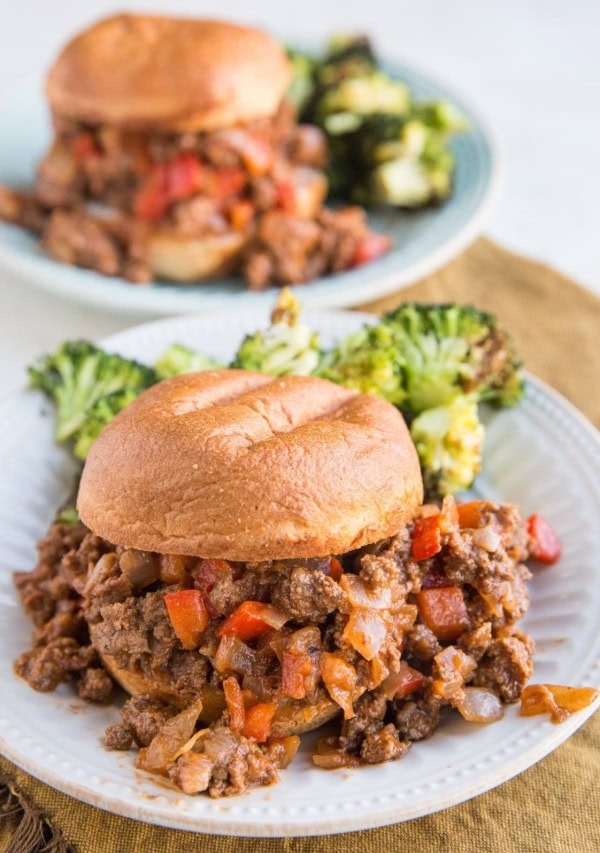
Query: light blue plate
(423, 241)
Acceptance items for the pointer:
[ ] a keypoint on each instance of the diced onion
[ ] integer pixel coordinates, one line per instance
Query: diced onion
(403, 682)
(487, 538)
(361, 596)
(273, 617)
(234, 655)
(339, 678)
(365, 631)
(171, 737)
(479, 705)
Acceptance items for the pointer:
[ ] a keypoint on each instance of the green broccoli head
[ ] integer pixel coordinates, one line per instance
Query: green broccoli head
(102, 413)
(446, 350)
(68, 515)
(449, 441)
(367, 362)
(302, 87)
(178, 359)
(281, 350)
(288, 347)
(423, 356)
(79, 374)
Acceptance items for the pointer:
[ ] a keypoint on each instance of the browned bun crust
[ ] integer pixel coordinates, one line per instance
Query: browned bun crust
(291, 717)
(170, 74)
(243, 466)
(187, 259)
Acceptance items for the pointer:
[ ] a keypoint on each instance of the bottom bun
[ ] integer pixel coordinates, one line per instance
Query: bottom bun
(293, 717)
(185, 259)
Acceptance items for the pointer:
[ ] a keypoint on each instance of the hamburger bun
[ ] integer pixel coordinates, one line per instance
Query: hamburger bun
(178, 257)
(247, 467)
(169, 74)
(292, 717)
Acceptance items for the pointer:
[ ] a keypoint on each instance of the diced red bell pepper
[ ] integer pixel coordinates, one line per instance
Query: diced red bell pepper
(257, 153)
(183, 176)
(152, 201)
(235, 703)
(84, 146)
(206, 572)
(246, 622)
(444, 611)
(544, 546)
(167, 183)
(223, 183)
(409, 680)
(258, 721)
(294, 669)
(369, 248)
(241, 213)
(336, 569)
(469, 515)
(286, 196)
(188, 616)
(427, 537)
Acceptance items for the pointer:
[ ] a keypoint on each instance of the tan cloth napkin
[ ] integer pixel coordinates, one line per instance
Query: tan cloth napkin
(554, 806)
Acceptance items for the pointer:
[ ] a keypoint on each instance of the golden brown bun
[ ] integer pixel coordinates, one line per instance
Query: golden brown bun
(292, 717)
(188, 259)
(171, 74)
(243, 466)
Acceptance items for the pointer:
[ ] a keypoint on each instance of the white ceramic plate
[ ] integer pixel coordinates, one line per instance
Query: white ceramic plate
(543, 455)
(423, 240)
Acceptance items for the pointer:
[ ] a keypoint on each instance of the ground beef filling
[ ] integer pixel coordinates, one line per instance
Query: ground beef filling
(101, 192)
(349, 638)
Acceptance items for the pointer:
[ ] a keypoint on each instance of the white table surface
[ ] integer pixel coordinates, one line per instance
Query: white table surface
(531, 67)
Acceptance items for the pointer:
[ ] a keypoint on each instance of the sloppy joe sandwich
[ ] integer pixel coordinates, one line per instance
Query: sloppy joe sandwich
(252, 562)
(177, 156)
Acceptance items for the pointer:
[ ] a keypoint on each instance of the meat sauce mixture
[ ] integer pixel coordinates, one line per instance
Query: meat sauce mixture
(262, 181)
(229, 661)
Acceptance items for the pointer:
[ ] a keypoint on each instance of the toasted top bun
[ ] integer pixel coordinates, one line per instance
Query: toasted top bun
(243, 466)
(170, 74)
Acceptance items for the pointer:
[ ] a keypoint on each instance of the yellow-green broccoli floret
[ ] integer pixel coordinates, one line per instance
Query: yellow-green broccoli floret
(178, 359)
(449, 441)
(288, 347)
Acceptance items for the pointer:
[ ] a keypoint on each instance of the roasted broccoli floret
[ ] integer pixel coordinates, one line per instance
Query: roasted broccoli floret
(385, 147)
(288, 347)
(178, 359)
(366, 361)
(79, 374)
(449, 441)
(423, 356)
(68, 515)
(302, 87)
(101, 413)
(449, 349)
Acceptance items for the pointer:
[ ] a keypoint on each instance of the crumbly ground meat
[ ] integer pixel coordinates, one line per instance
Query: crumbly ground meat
(90, 600)
(45, 667)
(227, 764)
(383, 745)
(290, 249)
(416, 719)
(143, 717)
(118, 737)
(506, 666)
(422, 643)
(369, 710)
(307, 595)
(96, 685)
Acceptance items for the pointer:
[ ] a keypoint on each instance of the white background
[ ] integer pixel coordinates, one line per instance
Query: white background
(531, 67)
